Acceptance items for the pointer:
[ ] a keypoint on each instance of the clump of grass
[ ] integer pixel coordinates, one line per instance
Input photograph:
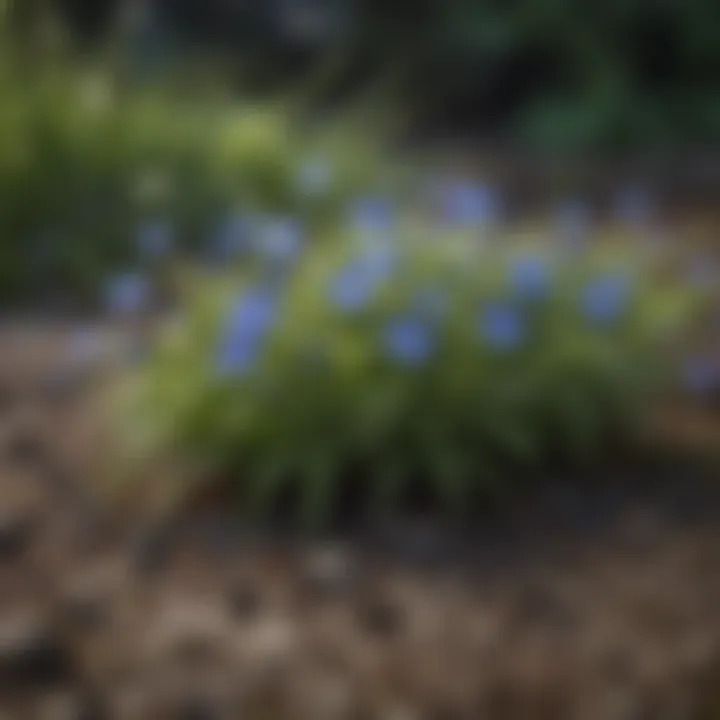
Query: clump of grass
(442, 363)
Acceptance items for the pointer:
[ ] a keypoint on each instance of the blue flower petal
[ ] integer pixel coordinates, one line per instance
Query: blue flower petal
(408, 340)
(530, 277)
(606, 298)
(502, 327)
(238, 358)
(255, 311)
(251, 318)
(353, 289)
(358, 283)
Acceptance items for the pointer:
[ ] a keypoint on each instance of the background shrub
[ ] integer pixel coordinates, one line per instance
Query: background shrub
(554, 73)
(90, 165)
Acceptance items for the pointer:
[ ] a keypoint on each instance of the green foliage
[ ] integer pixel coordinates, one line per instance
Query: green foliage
(559, 74)
(86, 160)
(564, 76)
(328, 402)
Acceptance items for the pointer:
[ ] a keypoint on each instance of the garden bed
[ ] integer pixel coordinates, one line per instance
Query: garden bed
(580, 598)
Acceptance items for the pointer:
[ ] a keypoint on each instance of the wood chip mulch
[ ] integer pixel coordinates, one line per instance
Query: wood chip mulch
(594, 603)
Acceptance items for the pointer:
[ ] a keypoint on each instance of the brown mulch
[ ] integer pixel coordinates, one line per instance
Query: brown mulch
(596, 599)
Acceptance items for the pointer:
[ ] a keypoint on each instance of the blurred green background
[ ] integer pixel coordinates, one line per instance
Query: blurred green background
(557, 74)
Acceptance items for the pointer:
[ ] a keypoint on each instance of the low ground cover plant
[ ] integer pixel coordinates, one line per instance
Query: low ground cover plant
(389, 360)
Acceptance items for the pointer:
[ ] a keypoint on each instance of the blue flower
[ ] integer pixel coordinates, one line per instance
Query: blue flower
(606, 298)
(250, 320)
(408, 340)
(155, 239)
(469, 205)
(281, 239)
(127, 293)
(700, 375)
(238, 357)
(530, 277)
(353, 288)
(373, 214)
(502, 327)
(254, 312)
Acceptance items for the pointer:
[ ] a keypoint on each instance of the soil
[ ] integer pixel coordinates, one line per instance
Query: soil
(585, 598)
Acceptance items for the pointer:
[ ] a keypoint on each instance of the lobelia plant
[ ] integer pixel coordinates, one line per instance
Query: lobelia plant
(412, 363)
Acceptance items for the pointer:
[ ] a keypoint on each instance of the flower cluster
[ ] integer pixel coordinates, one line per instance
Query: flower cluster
(278, 239)
(252, 317)
(412, 333)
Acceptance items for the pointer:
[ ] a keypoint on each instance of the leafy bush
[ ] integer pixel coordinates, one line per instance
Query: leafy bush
(407, 362)
(87, 166)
